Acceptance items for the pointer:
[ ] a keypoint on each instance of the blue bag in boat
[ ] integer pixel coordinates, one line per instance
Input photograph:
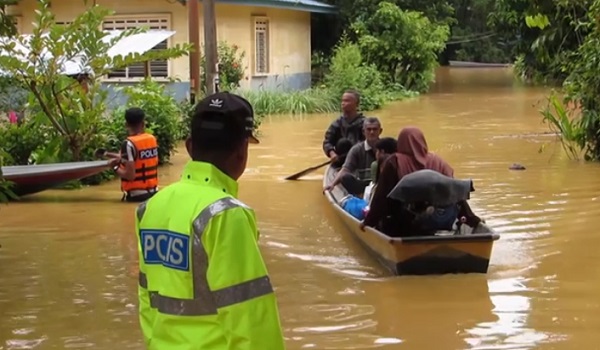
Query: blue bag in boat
(441, 219)
(355, 206)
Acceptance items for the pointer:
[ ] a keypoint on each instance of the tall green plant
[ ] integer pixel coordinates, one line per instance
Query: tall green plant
(562, 120)
(73, 111)
(581, 89)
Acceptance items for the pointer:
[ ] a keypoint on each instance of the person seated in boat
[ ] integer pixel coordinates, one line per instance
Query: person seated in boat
(384, 148)
(355, 174)
(348, 125)
(138, 159)
(342, 148)
(355, 206)
(391, 216)
(434, 200)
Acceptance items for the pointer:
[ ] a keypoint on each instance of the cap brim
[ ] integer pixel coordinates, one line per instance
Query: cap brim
(253, 139)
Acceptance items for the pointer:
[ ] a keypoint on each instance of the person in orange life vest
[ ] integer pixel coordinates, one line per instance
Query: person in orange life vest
(137, 163)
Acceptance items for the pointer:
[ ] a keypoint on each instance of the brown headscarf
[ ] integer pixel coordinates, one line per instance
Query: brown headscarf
(413, 155)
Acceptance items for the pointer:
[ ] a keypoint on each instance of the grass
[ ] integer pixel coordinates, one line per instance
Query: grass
(314, 100)
(267, 102)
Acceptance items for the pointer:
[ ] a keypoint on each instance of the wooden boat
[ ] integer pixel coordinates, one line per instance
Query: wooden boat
(446, 252)
(29, 179)
(465, 64)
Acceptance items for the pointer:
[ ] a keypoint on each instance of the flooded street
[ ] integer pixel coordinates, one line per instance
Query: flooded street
(68, 261)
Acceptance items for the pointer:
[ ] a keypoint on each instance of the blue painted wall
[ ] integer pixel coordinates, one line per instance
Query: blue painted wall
(180, 90)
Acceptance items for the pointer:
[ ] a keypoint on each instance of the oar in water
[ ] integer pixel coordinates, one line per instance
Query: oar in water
(298, 175)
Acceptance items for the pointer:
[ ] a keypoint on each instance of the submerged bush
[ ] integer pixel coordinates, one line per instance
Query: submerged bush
(163, 118)
(22, 141)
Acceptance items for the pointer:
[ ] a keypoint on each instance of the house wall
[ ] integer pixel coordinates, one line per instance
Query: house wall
(288, 37)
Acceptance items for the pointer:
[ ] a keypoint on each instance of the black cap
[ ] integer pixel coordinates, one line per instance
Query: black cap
(225, 114)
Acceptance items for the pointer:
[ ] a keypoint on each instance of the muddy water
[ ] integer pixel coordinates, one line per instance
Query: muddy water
(68, 262)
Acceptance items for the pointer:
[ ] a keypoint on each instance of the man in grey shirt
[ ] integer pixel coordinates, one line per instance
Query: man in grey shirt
(355, 174)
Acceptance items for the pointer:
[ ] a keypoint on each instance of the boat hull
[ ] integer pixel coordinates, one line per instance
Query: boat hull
(419, 255)
(30, 179)
(466, 64)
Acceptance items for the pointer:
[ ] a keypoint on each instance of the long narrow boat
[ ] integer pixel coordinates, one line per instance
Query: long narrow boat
(445, 252)
(466, 64)
(29, 179)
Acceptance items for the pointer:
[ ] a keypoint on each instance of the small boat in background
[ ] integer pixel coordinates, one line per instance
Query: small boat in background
(466, 64)
(443, 253)
(29, 179)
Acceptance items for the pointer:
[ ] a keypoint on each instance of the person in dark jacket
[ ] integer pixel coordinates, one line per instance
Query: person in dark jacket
(349, 125)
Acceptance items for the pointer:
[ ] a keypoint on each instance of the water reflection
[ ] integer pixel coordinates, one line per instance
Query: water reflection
(512, 305)
(68, 262)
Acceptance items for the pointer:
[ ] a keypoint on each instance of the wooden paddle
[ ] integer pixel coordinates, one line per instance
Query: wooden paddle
(298, 175)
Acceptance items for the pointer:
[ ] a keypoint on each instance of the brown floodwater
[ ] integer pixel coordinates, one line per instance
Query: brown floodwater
(68, 263)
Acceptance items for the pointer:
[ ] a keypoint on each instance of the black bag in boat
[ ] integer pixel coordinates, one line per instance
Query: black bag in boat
(431, 187)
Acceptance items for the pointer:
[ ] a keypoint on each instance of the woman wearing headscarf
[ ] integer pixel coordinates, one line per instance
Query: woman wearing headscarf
(412, 155)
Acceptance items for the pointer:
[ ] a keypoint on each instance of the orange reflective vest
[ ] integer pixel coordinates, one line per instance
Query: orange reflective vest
(146, 164)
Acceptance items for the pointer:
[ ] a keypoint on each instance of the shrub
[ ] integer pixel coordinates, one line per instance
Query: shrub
(231, 66)
(186, 109)
(163, 117)
(22, 141)
(5, 186)
(13, 95)
(347, 71)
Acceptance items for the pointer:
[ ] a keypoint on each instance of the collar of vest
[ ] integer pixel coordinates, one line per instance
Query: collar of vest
(209, 175)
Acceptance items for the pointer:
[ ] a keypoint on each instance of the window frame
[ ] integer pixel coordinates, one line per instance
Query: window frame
(161, 18)
(256, 19)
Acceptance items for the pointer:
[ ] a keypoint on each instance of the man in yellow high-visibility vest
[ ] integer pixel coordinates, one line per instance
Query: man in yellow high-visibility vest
(203, 281)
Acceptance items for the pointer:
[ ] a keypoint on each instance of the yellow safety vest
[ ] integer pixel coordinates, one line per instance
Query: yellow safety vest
(203, 282)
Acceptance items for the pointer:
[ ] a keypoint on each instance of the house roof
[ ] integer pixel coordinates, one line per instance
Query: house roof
(298, 5)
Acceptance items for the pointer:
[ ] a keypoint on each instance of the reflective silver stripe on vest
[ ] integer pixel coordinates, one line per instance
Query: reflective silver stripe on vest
(140, 211)
(205, 301)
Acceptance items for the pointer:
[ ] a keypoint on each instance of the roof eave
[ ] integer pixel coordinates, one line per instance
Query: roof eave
(278, 4)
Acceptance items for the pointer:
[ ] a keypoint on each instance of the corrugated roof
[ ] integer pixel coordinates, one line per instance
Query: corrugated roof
(298, 5)
(136, 43)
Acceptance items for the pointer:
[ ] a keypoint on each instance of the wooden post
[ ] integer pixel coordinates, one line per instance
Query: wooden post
(146, 69)
(194, 38)
(210, 45)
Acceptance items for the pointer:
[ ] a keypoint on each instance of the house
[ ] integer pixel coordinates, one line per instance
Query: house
(274, 34)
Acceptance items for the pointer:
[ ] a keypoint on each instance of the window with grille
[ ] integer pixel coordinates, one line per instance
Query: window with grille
(158, 68)
(261, 45)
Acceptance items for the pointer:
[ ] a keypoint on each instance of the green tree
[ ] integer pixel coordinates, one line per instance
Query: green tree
(581, 88)
(74, 110)
(542, 53)
(402, 44)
